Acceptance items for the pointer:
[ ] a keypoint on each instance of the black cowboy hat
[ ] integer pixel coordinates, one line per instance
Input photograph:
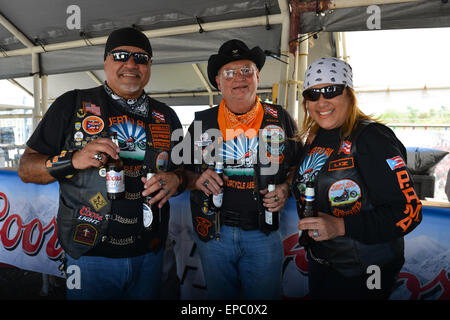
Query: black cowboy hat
(233, 50)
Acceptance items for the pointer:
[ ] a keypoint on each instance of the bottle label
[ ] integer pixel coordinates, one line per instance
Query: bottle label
(115, 182)
(147, 215)
(268, 217)
(217, 200)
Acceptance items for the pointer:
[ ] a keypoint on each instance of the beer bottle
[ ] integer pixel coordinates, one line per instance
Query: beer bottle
(115, 179)
(151, 213)
(308, 210)
(272, 219)
(215, 201)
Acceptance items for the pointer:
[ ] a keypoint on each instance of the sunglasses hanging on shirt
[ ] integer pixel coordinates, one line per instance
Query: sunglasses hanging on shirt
(328, 92)
(123, 56)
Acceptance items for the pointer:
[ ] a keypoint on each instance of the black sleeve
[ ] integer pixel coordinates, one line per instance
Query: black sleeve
(51, 132)
(381, 161)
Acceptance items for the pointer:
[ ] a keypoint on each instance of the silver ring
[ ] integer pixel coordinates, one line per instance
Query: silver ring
(315, 233)
(98, 157)
(162, 183)
(166, 191)
(205, 183)
(276, 198)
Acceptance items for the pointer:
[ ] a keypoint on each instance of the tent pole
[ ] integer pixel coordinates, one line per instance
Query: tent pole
(44, 101)
(211, 26)
(322, 5)
(284, 51)
(36, 89)
(302, 66)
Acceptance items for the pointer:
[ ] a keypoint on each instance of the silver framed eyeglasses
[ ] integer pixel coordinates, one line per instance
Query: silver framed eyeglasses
(246, 72)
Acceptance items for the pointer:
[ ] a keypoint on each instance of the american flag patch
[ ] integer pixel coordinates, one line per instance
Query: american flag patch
(158, 116)
(92, 108)
(345, 147)
(273, 112)
(396, 162)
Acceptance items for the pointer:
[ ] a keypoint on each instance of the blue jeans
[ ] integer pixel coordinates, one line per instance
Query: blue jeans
(242, 265)
(134, 278)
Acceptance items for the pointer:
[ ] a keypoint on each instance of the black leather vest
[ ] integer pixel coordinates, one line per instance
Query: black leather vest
(274, 115)
(341, 191)
(84, 209)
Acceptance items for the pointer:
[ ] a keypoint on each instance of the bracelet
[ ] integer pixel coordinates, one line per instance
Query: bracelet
(61, 166)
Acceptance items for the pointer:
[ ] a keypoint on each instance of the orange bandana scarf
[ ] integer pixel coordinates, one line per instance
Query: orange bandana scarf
(232, 125)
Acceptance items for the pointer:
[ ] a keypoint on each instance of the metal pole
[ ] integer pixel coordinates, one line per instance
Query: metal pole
(284, 50)
(211, 26)
(302, 66)
(44, 101)
(36, 89)
(322, 5)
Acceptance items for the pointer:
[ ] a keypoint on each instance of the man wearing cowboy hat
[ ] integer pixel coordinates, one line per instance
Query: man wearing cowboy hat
(245, 259)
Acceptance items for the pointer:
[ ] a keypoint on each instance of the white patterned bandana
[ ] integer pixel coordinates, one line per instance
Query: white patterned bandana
(328, 70)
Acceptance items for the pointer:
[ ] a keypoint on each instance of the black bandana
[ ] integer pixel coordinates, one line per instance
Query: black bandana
(139, 106)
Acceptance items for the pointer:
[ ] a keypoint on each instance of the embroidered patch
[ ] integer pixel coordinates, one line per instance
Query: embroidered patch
(85, 234)
(80, 113)
(162, 161)
(203, 226)
(160, 136)
(78, 136)
(273, 112)
(343, 192)
(341, 164)
(98, 201)
(92, 108)
(93, 125)
(205, 208)
(87, 215)
(346, 146)
(158, 116)
(396, 162)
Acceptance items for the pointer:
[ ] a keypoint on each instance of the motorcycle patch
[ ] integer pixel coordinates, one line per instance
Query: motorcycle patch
(343, 192)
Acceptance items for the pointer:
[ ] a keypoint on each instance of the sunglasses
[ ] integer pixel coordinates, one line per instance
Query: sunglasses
(246, 72)
(123, 56)
(328, 92)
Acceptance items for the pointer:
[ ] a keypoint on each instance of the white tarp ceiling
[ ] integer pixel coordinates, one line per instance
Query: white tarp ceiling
(46, 23)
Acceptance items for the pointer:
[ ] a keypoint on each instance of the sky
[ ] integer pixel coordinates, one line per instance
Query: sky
(400, 58)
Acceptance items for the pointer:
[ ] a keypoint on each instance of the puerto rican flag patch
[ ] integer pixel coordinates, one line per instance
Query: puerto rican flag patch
(346, 146)
(272, 111)
(158, 116)
(396, 162)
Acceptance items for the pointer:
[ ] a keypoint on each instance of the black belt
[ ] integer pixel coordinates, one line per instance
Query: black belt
(245, 221)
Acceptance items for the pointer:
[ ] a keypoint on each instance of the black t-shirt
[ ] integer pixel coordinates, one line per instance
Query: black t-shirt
(239, 156)
(50, 136)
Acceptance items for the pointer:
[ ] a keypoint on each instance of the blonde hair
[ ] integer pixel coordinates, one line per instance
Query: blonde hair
(310, 127)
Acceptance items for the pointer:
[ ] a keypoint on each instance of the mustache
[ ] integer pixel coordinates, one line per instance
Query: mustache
(133, 71)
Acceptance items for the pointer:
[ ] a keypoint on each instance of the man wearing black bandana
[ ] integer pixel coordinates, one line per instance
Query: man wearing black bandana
(117, 257)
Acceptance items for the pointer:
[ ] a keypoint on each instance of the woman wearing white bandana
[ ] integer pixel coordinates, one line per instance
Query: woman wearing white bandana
(363, 191)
